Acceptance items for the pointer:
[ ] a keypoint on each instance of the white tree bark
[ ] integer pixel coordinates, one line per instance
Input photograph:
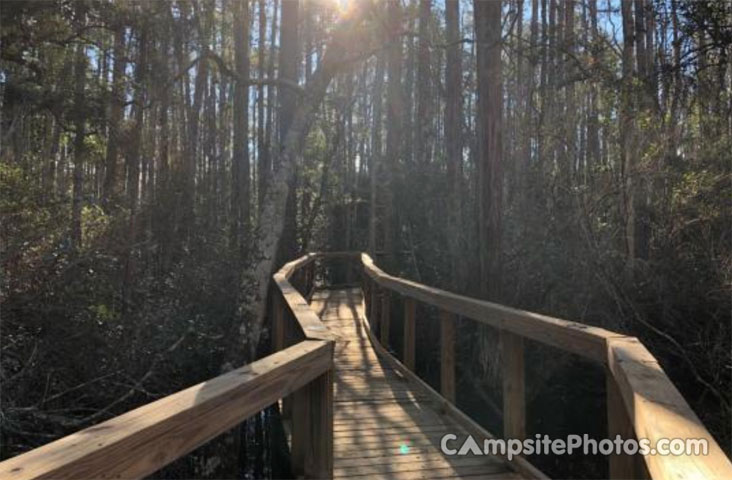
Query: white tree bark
(256, 278)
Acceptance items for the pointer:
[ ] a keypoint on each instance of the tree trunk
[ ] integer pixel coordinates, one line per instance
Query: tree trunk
(453, 141)
(271, 100)
(115, 115)
(133, 164)
(253, 301)
(263, 160)
(490, 163)
(289, 66)
(394, 119)
(423, 117)
(240, 214)
(376, 157)
(626, 131)
(79, 134)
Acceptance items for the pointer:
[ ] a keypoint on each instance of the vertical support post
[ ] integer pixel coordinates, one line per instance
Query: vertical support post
(514, 386)
(410, 310)
(385, 313)
(309, 278)
(618, 423)
(374, 306)
(447, 355)
(278, 321)
(312, 429)
(280, 341)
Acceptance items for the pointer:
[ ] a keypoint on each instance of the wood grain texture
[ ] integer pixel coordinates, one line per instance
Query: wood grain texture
(278, 322)
(514, 398)
(312, 434)
(658, 411)
(584, 340)
(385, 320)
(146, 439)
(618, 423)
(354, 418)
(447, 355)
(410, 334)
(450, 414)
(385, 426)
(307, 320)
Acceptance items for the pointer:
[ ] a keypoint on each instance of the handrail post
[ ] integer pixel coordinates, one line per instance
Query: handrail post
(447, 355)
(278, 322)
(374, 307)
(410, 309)
(366, 294)
(514, 398)
(309, 278)
(312, 429)
(385, 314)
(618, 423)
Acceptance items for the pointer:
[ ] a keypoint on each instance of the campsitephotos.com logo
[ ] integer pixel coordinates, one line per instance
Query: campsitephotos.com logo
(544, 445)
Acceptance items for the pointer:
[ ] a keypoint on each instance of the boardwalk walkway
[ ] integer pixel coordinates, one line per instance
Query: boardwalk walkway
(384, 426)
(359, 412)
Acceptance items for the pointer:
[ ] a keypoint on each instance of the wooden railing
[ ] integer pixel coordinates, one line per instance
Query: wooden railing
(150, 437)
(641, 400)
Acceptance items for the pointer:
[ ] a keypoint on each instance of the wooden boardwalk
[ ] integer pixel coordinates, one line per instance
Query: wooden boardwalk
(385, 426)
(362, 413)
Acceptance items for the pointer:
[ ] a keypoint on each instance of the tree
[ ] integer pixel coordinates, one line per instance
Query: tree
(240, 200)
(116, 101)
(272, 219)
(394, 121)
(487, 18)
(79, 132)
(453, 140)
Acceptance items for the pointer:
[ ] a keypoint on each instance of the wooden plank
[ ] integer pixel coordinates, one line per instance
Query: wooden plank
(519, 464)
(410, 311)
(379, 451)
(395, 408)
(415, 458)
(146, 439)
(447, 355)
(309, 278)
(312, 433)
(404, 426)
(385, 323)
(573, 337)
(437, 474)
(389, 431)
(366, 294)
(620, 466)
(425, 465)
(368, 427)
(514, 398)
(305, 317)
(658, 411)
(402, 471)
(374, 304)
(278, 322)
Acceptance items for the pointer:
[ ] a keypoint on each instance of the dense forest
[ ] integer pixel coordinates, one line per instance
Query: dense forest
(160, 159)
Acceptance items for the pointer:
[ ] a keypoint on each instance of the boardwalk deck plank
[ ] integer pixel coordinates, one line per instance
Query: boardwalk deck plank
(384, 427)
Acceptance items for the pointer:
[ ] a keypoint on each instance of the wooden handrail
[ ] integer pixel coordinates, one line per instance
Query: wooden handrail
(584, 340)
(311, 408)
(657, 410)
(150, 437)
(642, 400)
(146, 439)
